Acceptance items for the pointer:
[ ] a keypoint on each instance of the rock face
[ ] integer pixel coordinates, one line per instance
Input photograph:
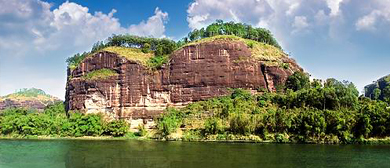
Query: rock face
(30, 104)
(194, 73)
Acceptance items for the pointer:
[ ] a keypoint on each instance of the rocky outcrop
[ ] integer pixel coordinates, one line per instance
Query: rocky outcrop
(381, 84)
(28, 98)
(195, 72)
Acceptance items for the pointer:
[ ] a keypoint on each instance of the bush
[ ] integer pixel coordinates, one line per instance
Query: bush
(298, 81)
(116, 128)
(142, 130)
(241, 124)
(213, 126)
(84, 125)
(169, 122)
(157, 62)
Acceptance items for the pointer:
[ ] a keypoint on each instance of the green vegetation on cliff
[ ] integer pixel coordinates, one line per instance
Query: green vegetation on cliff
(131, 54)
(142, 49)
(154, 52)
(260, 51)
(310, 112)
(100, 74)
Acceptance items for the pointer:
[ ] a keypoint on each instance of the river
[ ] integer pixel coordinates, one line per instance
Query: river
(138, 154)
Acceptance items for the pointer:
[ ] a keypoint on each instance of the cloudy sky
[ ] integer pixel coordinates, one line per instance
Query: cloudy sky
(344, 39)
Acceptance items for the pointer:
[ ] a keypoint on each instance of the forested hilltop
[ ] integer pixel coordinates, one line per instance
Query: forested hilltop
(161, 48)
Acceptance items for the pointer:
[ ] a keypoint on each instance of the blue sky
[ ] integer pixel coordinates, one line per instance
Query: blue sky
(344, 39)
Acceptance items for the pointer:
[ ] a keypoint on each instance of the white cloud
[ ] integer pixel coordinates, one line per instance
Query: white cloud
(377, 14)
(367, 22)
(203, 12)
(334, 6)
(300, 23)
(154, 26)
(283, 18)
(69, 24)
(33, 33)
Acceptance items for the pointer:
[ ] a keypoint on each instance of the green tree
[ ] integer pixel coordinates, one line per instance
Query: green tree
(298, 81)
(376, 93)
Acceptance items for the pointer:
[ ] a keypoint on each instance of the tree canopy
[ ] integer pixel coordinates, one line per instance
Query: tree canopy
(230, 28)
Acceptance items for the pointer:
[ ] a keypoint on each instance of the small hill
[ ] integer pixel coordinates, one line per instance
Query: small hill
(378, 90)
(27, 98)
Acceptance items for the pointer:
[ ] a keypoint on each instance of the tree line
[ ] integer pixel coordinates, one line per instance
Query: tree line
(54, 122)
(231, 28)
(303, 111)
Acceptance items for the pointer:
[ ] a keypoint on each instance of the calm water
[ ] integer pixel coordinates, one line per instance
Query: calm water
(83, 153)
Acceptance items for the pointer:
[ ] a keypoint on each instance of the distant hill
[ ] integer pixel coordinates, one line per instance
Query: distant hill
(27, 98)
(379, 89)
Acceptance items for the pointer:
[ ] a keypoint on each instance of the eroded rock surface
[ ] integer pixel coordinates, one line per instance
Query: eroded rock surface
(194, 73)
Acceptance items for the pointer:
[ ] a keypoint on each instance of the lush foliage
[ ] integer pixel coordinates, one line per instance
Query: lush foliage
(321, 112)
(170, 122)
(100, 74)
(230, 28)
(54, 122)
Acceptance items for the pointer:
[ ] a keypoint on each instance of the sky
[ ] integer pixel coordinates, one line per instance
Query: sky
(343, 39)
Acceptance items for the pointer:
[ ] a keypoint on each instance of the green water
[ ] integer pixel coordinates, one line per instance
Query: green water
(84, 153)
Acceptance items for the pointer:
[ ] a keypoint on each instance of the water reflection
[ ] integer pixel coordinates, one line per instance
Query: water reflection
(85, 153)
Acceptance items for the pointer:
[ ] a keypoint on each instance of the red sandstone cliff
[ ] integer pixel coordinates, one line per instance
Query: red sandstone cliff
(195, 72)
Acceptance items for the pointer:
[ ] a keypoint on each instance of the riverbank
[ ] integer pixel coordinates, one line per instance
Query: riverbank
(227, 138)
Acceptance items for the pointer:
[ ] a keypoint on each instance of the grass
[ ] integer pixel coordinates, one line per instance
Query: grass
(260, 51)
(100, 74)
(148, 60)
(134, 54)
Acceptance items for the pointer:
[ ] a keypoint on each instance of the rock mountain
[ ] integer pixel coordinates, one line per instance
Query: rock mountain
(194, 72)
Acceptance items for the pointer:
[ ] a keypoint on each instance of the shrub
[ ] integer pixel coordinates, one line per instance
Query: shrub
(84, 125)
(116, 128)
(142, 130)
(213, 126)
(169, 122)
(298, 81)
(241, 124)
(157, 62)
